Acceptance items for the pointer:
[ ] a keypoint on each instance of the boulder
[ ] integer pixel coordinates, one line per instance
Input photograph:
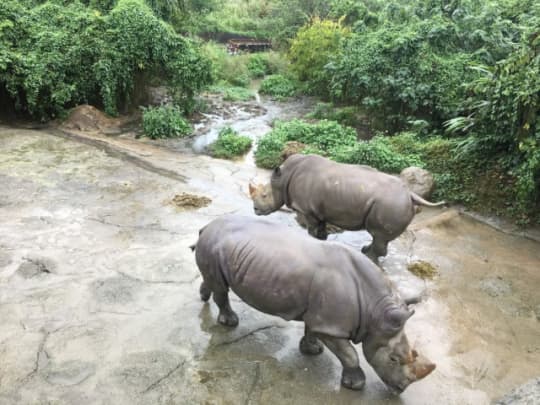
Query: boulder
(419, 180)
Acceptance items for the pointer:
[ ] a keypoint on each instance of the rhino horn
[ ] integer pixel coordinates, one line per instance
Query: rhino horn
(423, 370)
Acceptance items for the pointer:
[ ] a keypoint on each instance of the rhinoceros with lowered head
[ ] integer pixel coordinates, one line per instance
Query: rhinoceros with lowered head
(352, 197)
(339, 294)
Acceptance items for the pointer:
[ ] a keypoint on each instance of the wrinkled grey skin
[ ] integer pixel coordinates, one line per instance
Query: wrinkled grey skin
(339, 294)
(352, 197)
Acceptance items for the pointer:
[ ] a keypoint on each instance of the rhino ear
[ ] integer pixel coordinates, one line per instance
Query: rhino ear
(395, 319)
(252, 189)
(277, 172)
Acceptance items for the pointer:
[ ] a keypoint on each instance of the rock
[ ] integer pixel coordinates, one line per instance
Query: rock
(291, 148)
(420, 181)
(527, 394)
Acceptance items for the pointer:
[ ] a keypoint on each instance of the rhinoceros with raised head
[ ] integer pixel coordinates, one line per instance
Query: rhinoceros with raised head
(352, 197)
(339, 294)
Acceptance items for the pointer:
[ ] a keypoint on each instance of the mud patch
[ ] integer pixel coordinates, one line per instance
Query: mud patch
(423, 269)
(33, 267)
(88, 118)
(186, 201)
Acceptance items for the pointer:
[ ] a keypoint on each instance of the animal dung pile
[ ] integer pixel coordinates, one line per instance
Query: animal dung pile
(422, 269)
(186, 201)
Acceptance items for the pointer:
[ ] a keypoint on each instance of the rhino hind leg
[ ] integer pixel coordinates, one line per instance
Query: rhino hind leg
(226, 315)
(310, 345)
(352, 376)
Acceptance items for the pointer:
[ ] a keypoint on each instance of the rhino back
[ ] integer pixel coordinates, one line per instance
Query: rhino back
(344, 194)
(281, 271)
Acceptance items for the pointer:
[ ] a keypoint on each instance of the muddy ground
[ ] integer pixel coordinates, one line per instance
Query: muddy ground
(99, 295)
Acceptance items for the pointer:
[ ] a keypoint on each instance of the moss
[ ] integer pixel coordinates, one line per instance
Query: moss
(422, 269)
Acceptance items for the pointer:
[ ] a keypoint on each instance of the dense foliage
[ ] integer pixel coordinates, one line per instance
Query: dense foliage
(311, 50)
(278, 86)
(164, 122)
(229, 144)
(58, 54)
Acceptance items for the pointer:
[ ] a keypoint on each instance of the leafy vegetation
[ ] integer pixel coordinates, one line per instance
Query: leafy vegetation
(164, 122)
(229, 144)
(311, 50)
(324, 137)
(278, 86)
(55, 55)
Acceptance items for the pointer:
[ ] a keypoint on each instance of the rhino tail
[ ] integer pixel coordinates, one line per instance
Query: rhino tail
(416, 199)
(194, 246)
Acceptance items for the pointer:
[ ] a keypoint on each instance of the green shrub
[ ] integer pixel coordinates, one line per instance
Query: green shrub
(257, 65)
(269, 147)
(348, 115)
(322, 138)
(276, 63)
(375, 153)
(311, 50)
(227, 68)
(278, 86)
(229, 144)
(165, 122)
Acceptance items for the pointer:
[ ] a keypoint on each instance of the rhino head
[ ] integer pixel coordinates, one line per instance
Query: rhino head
(267, 198)
(387, 350)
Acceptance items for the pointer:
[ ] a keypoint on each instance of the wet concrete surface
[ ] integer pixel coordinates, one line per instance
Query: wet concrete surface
(99, 291)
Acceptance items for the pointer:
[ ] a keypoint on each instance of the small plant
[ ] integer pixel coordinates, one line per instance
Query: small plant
(165, 122)
(278, 86)
(229, 144)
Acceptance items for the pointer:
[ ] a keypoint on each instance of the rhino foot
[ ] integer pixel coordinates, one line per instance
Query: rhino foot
(228, 319)
(310, 345)
(353, 378)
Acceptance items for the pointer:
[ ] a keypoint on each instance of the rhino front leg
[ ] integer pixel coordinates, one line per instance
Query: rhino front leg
(377, 248)
(352, 375)
(316, 228)
(309, 344)
(226, 315)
